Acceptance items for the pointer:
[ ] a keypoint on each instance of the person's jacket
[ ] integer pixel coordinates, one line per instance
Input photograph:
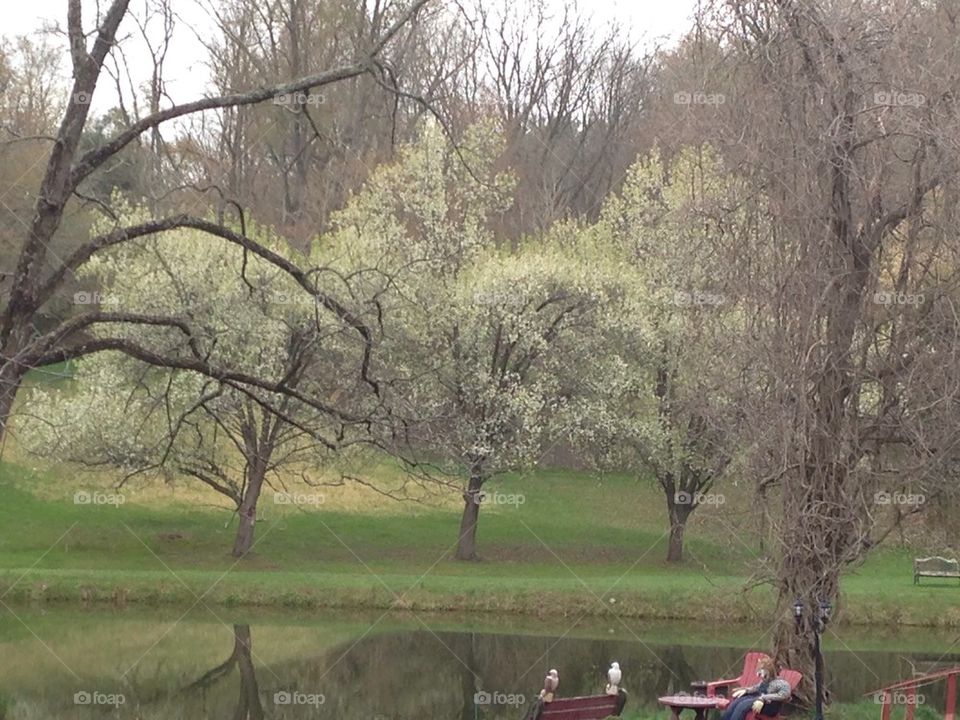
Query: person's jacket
(775, 690)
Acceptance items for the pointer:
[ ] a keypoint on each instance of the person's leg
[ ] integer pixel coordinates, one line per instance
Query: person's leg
(742, 707)
(725, 715)
(732, 711)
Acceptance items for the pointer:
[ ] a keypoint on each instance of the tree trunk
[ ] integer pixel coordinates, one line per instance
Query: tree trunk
(825, 519)
(679, 514)
(243, 541)
(821, 533)
(794, 641)
(467, 542)
(247, 512)
(10, 377)
(675, 549)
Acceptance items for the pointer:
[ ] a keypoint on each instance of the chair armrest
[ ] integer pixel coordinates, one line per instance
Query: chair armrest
(712, 687)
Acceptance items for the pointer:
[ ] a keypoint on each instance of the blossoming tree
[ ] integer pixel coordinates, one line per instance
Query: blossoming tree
(486, 341)
(244, 313)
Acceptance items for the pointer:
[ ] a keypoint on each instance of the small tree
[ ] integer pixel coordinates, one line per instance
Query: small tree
(484, 337)
(514, 338)
(666, 404)
(144, 419)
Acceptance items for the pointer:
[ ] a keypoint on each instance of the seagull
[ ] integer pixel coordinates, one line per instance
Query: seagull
(550, 683)
(613, 677)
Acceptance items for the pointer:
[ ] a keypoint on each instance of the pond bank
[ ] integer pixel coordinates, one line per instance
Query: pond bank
(677, 596)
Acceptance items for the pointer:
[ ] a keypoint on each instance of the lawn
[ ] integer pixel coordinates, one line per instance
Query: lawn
(578, 543)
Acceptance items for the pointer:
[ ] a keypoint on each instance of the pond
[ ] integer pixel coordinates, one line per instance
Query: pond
(70, 663)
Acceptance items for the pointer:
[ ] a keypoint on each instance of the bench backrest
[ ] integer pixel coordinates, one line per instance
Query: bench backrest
(936, 564)
(593, 707)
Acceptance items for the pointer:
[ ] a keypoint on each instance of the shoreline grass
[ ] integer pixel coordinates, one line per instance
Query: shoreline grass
(440, 594)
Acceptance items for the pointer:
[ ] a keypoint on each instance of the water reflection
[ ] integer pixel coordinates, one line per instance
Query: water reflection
(351, 669)
(248, 705)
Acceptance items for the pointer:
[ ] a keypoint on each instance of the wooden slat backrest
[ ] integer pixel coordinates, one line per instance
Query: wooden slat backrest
(595, 707)
(792, 676)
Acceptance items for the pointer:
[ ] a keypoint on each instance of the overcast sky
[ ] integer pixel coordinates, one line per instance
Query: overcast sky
(186, 75)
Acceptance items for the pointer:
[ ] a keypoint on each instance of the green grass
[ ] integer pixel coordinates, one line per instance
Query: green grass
(578, 544)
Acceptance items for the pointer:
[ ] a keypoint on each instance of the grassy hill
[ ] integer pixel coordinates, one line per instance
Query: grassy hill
(578, 543)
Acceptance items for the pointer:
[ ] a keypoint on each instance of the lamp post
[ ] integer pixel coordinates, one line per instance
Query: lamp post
(819, 624)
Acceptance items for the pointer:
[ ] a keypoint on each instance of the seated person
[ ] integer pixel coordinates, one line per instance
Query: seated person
(765, 698)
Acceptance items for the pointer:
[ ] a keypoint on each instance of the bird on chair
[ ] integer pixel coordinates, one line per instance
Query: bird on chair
(614, 676)
(550, 683)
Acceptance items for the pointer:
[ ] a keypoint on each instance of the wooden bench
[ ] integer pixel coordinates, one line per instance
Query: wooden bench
(590, 707)
(937, 567)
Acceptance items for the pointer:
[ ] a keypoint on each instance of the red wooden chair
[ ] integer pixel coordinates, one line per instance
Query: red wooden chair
(747, 677)
(793, 677)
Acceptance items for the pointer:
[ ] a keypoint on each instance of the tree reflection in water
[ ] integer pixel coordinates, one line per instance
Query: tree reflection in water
(248, 704)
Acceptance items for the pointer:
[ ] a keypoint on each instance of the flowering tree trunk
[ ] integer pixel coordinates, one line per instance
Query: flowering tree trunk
(247, 512)
(467, 540)
(679, 514)
(9, 385)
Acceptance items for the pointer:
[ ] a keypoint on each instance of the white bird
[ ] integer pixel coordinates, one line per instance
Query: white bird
(550, 684)
(613, 677)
